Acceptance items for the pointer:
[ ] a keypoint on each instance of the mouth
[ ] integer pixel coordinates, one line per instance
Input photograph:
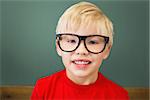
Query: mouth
(81, 62)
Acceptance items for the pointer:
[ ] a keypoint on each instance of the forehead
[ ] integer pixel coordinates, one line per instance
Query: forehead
(84, 29)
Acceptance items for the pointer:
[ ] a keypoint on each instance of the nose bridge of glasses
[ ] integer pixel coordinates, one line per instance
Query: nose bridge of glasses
(82, 37)
(82, 46)
(82, 40)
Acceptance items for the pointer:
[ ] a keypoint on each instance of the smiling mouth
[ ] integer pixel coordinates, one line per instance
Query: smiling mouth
(81, 62)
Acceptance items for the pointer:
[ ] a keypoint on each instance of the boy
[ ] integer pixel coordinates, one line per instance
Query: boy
(84, 39)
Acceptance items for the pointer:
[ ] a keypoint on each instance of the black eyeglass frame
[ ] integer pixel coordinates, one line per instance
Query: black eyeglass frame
(106, 39)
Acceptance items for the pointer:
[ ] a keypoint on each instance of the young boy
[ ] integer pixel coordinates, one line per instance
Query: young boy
(84, 39)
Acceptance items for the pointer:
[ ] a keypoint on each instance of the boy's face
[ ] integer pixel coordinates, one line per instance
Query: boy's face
(81, 63)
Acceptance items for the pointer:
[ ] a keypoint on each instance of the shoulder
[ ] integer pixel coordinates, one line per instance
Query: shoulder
(50, 78)
(113, 88)
(49, 81)
(109, 83)
(45, 85)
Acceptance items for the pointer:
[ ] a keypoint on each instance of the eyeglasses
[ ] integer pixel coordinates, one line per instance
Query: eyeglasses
(93, 43)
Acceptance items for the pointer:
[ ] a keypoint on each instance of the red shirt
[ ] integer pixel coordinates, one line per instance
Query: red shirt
(59, 87)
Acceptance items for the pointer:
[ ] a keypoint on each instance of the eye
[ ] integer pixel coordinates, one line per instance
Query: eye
(71, 41)
(93, 42)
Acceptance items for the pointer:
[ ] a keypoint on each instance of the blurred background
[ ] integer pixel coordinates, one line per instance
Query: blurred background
(27, 40)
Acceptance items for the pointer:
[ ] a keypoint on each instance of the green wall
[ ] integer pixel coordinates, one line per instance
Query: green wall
(0, 47)
(28, 41)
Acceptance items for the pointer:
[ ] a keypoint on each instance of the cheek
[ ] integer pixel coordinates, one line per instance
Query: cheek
(66, 58)
(98, 59)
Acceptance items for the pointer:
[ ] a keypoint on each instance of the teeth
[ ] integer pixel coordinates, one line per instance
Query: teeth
(81, 62)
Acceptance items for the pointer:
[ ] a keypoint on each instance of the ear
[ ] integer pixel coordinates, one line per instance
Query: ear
(106, 52)
(59, 52)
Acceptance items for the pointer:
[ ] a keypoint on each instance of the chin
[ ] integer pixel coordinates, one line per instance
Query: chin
(81, 73)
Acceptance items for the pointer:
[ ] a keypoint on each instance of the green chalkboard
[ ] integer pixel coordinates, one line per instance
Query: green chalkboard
(28, 41)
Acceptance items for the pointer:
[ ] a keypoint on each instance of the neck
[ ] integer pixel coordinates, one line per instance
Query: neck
(83, 80)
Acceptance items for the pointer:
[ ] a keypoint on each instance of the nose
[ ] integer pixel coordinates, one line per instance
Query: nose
(81, 50)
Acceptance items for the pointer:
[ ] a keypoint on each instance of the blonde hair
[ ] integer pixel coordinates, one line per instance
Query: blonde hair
(84, 13)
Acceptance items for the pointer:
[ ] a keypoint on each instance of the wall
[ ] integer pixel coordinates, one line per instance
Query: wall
(0, 47)
(28, 41)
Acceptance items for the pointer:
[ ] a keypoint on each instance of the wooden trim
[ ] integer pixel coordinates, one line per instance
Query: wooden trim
(138, 93)
(16, 92)
(24, 92)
